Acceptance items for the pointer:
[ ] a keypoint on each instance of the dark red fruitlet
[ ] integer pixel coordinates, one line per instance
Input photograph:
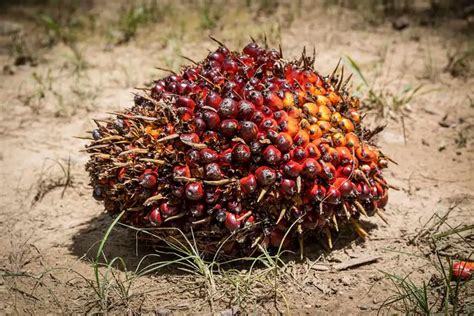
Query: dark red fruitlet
(238, 148)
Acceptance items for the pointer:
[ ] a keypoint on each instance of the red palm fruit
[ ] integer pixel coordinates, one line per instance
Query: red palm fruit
(199, 126)
(193, 158)
(344, 171)
(181, 171)
(212, 171)
(346, 187)
(198, 210)
(194, 191)
(317, 192)
(208, 155)
(283, 142)
(315, 131)
(310, 108)
(229, 127)
(186, 102)
(288, 100)
(228, 109)
(355, 116)
(213, 195)
(328, 171)
(280, 116)
(245, 110)
(324, 113)
(155, 217)
(363, 191)
(215, 56)
(383, 200)
(265, 176)
(273, 101)
(210, 138)
(334, 98)
(333, 195)
(241, 153)
(272, 155)
(184, 114)
(213, 99)
(248, 184)
(276, 239)
(299, 153)
(312, 151)
(251, 49)
(292, 169)
(268, 123)
(338, 139)
(288, 187)
(225, 157)
(336, 117)
(301, 138)
(234, 207)
(344, 155)
(168, 210)
(157, 91)
(248, 131)
(257, 117)
(324, 126)
(331, 155)
(230, 66)
(311, 168)
(365, 153)
(352, 141)
(231, 222)
(256, 98)
(211, 119)
(346, 125)
(148, 179)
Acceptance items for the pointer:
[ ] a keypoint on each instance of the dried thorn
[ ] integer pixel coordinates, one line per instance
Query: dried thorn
(166, 138)
(327, 232)
(84, 137)
(189, 59)
(218, 182)
(265, 141)
(155, 161)
(134, 151)
(238, 139)
(334, 220)
(194, 145)
(256, 241)
(280, 50)
(217, 41)
(359, 230)
(171, 218)
(185, 179)
(105, 139)
(299, 229)
(394, 187)
(248, 214)
(335, 69)
(282, 214)
(152, 199)
(340, 79)
(134, 117)
(344, 85)
(168, 70)
(202, 221)
(298, 184)
(95, 147)
(360, 208)
(101, 156)
(346, 211)
(381, 215)
(141, 89)
(253, 39)
(134, 209)
(210, 108)
(262, 194)
(390, 159)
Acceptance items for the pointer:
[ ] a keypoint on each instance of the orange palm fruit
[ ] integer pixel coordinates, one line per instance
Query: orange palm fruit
(324, 126)
(352, 140)
(346, 125)
(288, 100)
(336, 117)
(310, 108)
(315, 132)
(339, 139)
(324, 113)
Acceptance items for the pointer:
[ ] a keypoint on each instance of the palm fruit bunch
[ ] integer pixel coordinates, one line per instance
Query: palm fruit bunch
(243, 150)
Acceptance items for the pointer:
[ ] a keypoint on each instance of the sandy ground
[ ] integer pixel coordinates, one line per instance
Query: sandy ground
(47, 242)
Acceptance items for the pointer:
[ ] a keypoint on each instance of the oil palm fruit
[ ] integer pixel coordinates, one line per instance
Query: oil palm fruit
(244, 148)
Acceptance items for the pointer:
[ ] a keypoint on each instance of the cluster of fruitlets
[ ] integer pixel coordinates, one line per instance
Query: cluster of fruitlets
(241, 149)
